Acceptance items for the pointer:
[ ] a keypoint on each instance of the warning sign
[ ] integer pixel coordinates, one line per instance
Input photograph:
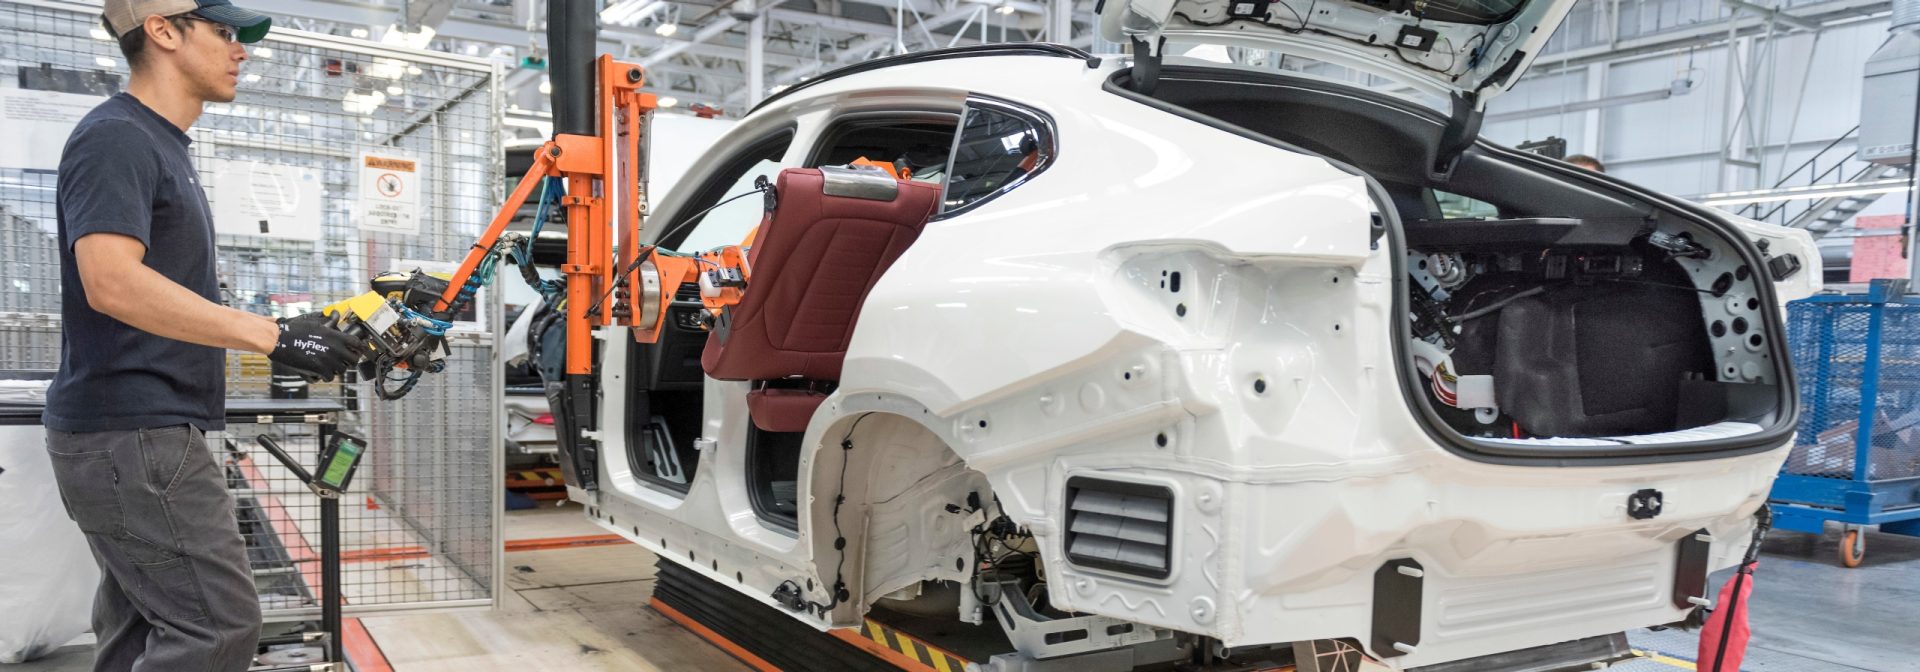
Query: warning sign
(389, 193)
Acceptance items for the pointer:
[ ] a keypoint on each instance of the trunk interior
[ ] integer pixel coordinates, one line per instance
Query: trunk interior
(1548, 313)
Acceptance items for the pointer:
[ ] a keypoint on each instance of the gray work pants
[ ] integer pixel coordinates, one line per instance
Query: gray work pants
(176, 592)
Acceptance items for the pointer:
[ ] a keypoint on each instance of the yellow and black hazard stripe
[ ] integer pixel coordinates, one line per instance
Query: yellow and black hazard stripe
(535, 478)
(901, 649)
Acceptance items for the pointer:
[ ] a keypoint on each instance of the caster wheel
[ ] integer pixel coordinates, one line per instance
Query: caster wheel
(1853, 547)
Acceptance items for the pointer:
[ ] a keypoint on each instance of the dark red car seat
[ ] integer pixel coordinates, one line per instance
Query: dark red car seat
(814, 259)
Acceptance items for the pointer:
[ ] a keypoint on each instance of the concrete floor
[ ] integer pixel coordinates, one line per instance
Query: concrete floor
(585, 609)
(571, 609)
(1809, 613)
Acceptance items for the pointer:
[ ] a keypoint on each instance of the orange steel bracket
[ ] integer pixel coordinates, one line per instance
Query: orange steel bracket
(734, 257)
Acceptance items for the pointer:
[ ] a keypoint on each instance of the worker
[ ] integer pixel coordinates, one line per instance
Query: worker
(1587, 162)
(142, 367)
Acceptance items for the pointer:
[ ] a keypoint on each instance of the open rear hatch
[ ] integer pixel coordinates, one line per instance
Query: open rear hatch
(1468, 50)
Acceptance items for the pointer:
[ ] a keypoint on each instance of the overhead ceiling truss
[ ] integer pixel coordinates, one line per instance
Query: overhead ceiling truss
(714, 59)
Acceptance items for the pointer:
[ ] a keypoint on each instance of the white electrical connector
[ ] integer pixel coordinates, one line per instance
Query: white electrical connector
(1475, 392)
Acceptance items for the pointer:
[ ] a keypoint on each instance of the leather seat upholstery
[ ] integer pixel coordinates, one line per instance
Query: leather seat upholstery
(814, 259)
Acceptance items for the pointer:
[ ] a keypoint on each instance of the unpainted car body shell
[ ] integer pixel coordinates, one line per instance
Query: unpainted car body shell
(1036, 338)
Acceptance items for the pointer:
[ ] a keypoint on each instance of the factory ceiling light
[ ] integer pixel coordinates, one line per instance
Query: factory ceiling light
(400, 38)
(630, 12)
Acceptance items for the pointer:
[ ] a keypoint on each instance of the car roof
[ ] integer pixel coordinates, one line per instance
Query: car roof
(974, 51)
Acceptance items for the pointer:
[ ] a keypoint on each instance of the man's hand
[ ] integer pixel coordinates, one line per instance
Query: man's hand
(310, 344)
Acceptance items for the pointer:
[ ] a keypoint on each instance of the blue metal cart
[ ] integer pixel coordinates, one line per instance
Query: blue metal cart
(1856, 459)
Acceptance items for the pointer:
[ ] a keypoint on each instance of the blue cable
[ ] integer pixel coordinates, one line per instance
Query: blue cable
(550, 190)
(432, 326)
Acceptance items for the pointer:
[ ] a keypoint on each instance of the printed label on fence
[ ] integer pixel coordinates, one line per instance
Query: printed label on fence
(34, 125)
(389, 193)
(266, 199)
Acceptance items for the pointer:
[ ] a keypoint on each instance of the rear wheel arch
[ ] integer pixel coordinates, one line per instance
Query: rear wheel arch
(905, 515)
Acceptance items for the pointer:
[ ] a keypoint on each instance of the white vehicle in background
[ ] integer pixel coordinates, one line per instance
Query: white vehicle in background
(1195, 357)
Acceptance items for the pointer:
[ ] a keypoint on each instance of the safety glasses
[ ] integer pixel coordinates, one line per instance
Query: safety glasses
(223, 31)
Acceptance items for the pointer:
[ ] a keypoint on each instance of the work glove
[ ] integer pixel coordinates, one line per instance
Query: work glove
(310, 344)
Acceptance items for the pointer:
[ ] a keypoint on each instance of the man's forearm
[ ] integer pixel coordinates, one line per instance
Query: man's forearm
(147, 300)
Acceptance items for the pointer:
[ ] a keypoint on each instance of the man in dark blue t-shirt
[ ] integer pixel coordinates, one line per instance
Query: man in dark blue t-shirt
(142, 367)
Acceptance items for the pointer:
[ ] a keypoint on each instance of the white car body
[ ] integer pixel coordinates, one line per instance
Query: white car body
(1033, 340)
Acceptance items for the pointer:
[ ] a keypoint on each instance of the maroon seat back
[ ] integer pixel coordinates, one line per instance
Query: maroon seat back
(814, 259)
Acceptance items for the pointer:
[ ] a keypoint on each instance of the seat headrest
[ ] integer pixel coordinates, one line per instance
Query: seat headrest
(864, 182)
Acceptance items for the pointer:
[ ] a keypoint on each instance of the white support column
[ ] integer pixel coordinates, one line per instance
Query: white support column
(756, 60)
(1060, 21)
(1592, 144)
(900, 27)
(1913, 231)
(1730, 115)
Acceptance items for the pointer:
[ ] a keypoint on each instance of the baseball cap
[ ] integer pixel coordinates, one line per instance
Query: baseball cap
(248, 26)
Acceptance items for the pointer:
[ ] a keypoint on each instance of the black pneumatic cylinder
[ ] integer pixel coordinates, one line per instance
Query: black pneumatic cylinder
(572, 33)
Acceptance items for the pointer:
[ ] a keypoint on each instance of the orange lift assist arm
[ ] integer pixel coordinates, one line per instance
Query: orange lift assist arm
(605, 205)
(603, 174)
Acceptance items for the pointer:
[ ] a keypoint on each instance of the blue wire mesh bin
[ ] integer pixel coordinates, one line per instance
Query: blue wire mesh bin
(1856, 458)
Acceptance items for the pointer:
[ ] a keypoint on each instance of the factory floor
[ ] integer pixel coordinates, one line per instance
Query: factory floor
(586, 609)
(564, 609)
(579, 608)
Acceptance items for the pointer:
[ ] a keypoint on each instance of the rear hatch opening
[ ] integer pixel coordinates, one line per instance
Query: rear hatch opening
(1552, 332)
(1564, 320)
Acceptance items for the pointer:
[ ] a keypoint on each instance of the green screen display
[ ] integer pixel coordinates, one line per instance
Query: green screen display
(344, 453)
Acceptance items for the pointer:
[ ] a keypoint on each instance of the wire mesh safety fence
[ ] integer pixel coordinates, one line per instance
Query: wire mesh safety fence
(1857, 379)
(339, 159)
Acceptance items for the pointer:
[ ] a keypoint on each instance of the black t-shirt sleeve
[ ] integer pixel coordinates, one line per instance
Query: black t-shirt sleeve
(108, 178)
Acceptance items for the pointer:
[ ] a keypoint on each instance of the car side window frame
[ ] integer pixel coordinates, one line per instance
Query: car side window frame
(1043, 126)
(679, 231)
(833, 129)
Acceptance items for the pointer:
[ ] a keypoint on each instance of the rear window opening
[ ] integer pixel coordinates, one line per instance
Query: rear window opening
(1545, 317)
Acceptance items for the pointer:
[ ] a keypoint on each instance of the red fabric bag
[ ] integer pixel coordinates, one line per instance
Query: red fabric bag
(1723, 642)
